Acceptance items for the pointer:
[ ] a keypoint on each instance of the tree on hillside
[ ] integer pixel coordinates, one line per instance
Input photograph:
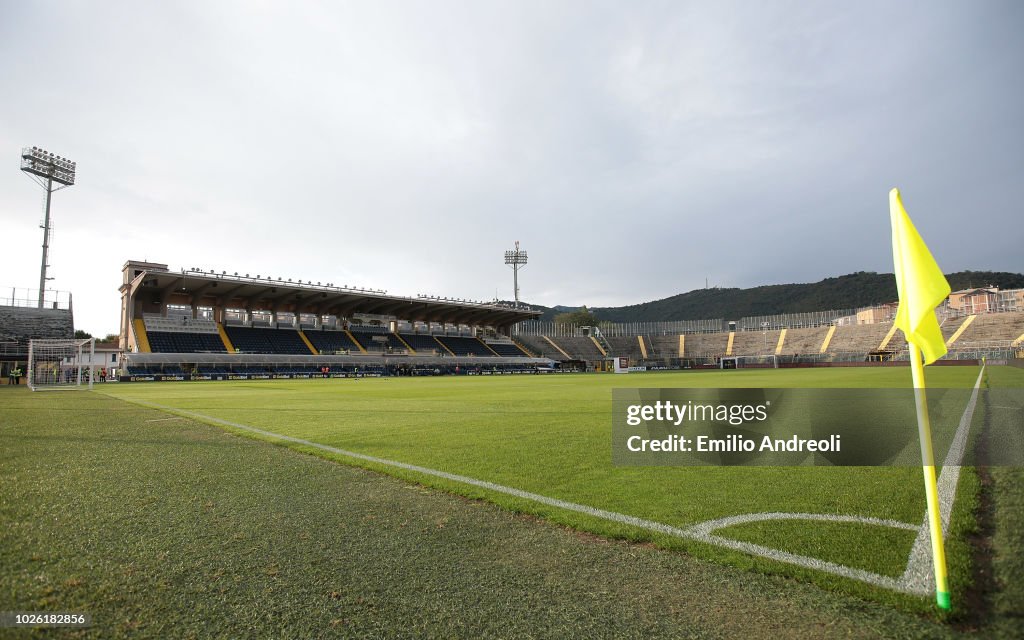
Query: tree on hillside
(582, 317)
(81, 335)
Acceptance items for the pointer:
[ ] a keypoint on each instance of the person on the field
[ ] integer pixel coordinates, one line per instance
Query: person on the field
(16, 374)
(10, 376)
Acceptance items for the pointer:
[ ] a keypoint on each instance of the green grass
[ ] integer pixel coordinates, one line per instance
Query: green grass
(874, 548)
(551, 435)
(172, 528)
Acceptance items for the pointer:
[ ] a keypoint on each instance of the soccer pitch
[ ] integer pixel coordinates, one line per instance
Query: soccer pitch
(550, 436)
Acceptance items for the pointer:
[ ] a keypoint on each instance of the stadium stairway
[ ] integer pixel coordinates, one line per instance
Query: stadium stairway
(528, 352)
(489, 348)
(224, 338)
(597, 344)
(407, 345)
(309, 345)
(141, 339)
(558, 348)
(960, 330)
(828, 339)
(537, 346)
(581, 348)
(887, 339)
(444, 346)
(643, 347)
(781, 343)
(351, 337)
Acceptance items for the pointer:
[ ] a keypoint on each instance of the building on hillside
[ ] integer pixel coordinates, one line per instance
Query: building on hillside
(974, 301)
(877, 314)
(1010, 300)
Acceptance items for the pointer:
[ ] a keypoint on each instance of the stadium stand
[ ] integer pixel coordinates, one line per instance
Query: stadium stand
(331, 341)
(625, 346)
(21, 324)
(580, 348)
(463, 346)
(507, 350)
(754, 343)
(662, 347)
(376, 339)
(423, 344)
(990, 327)
(540, 347)
(858, 338)
(803, 340)
(181, 342)
(700, 345)
(256, 340)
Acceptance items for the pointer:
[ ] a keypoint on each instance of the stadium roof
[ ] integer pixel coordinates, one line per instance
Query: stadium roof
(198, 288)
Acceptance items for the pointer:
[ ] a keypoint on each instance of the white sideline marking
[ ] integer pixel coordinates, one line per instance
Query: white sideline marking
(163, 419)
(914, 580)
(920, 574)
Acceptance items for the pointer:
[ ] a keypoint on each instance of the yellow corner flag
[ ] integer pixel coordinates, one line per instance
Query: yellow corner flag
(922, 287)
(920, 282)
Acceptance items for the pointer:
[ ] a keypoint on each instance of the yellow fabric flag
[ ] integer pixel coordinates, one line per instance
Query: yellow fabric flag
(920, 282)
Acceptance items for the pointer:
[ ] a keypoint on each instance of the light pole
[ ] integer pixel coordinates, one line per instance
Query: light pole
(515, 259)
(764, 330)
(46, 169)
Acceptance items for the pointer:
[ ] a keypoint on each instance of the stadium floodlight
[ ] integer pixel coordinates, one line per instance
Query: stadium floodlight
(47, 169)
(515, 259)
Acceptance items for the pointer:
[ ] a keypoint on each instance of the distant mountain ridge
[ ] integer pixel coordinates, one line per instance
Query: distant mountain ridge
(859, 289)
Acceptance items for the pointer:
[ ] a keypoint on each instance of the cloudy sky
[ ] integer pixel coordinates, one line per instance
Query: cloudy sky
(635, 149)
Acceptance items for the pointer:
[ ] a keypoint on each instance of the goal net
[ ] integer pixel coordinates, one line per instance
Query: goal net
(749, 362)
(61, 364)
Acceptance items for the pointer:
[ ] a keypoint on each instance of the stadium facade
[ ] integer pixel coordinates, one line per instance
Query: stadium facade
(202, 324)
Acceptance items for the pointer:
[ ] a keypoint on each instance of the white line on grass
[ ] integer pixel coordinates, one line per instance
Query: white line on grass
(701, 532)
(920, 574)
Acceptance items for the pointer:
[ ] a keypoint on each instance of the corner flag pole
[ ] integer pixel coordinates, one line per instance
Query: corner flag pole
(931, 488)
(922, 287)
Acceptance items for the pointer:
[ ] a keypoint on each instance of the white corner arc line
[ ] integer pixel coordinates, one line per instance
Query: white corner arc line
(705, 528)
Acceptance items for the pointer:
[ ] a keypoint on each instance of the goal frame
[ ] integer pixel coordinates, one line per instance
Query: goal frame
(764, 361)
(61, 365)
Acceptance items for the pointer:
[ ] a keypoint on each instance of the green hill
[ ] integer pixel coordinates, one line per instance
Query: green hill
(844, 292)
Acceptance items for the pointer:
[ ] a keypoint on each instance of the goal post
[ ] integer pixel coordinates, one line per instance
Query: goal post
(749, 362)
(61, 364)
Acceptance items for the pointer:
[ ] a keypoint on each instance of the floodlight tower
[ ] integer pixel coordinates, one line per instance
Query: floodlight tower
(47, 169)
(515, 259)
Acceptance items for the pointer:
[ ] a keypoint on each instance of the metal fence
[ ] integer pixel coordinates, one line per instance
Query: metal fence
(793, 320)
(619, 329)
(15, 297)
